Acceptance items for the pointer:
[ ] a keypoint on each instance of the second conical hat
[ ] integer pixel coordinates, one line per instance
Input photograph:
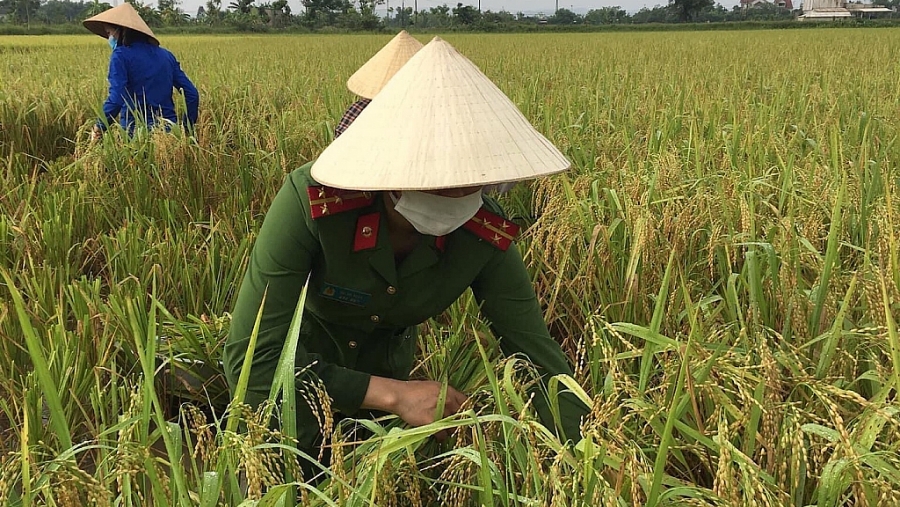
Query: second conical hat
(439, 123)
(375, 73)
(122, 15)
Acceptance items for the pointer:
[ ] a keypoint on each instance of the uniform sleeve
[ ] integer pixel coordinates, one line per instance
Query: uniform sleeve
(507, 299)
(191, 95)
(118, 79)
(281, 260)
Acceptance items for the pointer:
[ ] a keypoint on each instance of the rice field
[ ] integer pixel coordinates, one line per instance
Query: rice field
(721, 264)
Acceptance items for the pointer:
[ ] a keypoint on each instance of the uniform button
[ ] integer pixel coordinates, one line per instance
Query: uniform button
(376, 318)
(367, 231)
(352, 344)
(391, 290)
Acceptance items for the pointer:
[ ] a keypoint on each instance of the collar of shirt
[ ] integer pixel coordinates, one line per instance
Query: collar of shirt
(423, 256)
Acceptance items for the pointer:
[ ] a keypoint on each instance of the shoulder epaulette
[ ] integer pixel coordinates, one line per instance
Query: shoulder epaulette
(493, 228)
(325, 201)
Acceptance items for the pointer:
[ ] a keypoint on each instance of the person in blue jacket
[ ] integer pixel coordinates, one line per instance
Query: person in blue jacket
(142, 74)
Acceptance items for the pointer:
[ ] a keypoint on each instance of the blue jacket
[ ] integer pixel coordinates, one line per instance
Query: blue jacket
(141, 79)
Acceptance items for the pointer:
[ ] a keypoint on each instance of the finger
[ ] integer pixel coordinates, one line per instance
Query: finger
(459, 399)
(457, 393)
(450, 408)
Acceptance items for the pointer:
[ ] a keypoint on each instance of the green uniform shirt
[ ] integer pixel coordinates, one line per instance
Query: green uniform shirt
(362, 308)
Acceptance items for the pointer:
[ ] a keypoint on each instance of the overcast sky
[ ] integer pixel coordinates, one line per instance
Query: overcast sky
(546, 6)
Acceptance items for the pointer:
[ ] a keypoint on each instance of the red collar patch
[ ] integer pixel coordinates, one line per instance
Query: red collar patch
(325, 201)
(366, 236)
(493, 228)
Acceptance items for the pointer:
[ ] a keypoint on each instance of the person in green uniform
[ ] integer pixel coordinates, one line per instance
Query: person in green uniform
(390, 226)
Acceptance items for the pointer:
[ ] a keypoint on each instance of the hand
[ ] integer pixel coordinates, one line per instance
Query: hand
(416, 402)
(96, 133)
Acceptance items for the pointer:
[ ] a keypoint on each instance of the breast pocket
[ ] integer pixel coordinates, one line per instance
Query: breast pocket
(317, 344)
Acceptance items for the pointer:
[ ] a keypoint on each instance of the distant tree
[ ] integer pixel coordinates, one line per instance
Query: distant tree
(713, 14)
(402, 16)
(282, 7)
(277, 13)
(264, 12)
(241, 6)
(61, 11)
(20, 11)
(687, 10)
(147, 13)
(438, 17)
(564, 17)
(170, 12)
(497, 17)
(95, 8)
(606, 16)
(465, 14)
(363, 18)
(658, 14)
(313, 7)
(325, 12)
(213, 11)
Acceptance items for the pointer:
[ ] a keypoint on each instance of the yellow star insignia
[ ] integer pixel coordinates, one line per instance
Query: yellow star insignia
(324, 209)
(496, 239)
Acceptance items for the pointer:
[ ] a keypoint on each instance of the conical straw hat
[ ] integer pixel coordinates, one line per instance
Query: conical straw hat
(122, 15)
(439, 123)
(374, 74)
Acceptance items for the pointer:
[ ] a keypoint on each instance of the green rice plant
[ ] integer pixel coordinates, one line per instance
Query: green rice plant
(48, 385)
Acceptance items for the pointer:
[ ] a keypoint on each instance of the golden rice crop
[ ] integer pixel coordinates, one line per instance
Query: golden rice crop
(721, 264)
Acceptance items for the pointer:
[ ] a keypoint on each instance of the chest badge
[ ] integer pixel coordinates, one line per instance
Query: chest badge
(344, 295)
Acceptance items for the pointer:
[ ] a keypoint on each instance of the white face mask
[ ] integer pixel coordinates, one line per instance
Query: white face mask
(436, 215)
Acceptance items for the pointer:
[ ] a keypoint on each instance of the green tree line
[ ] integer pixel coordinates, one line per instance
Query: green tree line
(361, 14)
